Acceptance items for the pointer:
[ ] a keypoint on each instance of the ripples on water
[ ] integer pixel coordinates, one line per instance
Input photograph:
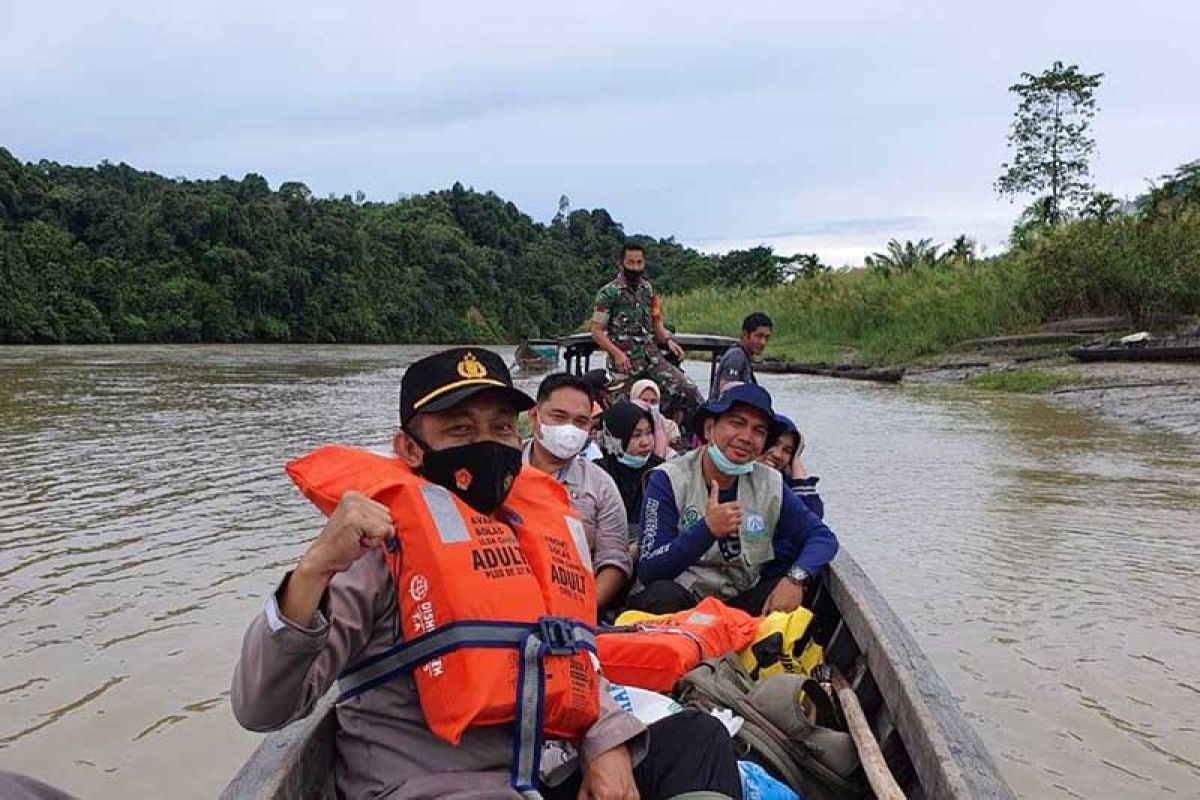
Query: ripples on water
(1045, 559)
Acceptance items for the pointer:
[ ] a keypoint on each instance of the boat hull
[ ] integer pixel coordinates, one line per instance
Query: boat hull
(928, 744)
(1123, 353)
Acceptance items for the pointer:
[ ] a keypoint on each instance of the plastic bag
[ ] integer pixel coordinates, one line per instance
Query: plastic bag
(649, 707)
(758, 784)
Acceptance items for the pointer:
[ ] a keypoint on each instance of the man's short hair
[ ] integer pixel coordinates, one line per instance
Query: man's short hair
(755, 321)
(562, 380)
(625, 248)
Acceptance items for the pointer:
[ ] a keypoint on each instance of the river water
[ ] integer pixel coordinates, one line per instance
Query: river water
(1046, 559)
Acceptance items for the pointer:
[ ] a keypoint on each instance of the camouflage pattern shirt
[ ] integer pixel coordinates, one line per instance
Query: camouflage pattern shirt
(628, 315)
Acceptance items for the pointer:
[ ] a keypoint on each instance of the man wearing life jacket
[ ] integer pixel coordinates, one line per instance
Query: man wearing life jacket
(444, 597)
(717, 523)
(561, 424)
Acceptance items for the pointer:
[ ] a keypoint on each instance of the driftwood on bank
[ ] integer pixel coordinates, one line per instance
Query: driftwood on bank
(848, 371)
(1024, 340)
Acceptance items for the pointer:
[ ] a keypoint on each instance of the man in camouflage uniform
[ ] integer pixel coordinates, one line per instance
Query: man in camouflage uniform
(628, 325)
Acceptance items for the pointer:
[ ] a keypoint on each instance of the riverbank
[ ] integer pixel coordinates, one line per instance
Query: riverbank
(1163, 395)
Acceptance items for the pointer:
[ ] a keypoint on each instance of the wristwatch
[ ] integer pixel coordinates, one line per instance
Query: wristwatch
(797, 575)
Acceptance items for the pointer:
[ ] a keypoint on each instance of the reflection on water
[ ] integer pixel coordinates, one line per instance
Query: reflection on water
(1045, 559)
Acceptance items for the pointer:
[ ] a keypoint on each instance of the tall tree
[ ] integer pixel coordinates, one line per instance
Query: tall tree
(1051, 139)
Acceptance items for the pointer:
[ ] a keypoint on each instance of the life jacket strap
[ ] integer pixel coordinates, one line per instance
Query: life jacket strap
(549, 636)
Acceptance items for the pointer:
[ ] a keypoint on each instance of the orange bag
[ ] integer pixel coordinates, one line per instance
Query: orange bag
(654, 652)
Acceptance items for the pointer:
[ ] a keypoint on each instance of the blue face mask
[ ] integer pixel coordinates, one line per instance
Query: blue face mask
(727, 467)
(636, 462)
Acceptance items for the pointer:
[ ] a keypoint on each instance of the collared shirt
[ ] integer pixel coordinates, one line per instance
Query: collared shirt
(597, 499)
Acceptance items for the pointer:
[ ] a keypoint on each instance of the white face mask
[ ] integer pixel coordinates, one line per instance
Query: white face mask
(563, 441)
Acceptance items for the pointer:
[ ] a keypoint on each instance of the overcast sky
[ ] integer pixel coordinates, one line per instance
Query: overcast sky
(827, 127)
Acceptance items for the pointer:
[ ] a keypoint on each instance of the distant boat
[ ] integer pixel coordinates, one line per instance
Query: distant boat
(536, 355)
(1147, 348)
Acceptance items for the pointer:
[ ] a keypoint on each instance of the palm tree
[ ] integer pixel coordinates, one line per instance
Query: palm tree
(907, 256)
(962, 250)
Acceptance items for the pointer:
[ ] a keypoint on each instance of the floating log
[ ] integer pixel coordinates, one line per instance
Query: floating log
(850, 371)
(1025, 339)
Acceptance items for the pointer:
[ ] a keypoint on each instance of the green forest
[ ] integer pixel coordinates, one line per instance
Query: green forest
(115, 254)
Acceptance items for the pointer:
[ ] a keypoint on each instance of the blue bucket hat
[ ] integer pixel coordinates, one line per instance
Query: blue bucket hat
(747, 394)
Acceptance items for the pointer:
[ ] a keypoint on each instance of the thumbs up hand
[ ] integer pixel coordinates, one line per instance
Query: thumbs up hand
(723, 518)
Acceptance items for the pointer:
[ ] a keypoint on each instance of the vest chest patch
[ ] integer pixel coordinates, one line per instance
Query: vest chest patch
(755, 527)
(691, 515)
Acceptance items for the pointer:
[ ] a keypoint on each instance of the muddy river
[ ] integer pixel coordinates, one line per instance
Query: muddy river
(1046, 558)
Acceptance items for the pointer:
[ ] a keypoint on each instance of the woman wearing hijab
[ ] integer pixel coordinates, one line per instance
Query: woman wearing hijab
(784, 456)
(646, 394)
(628, 443)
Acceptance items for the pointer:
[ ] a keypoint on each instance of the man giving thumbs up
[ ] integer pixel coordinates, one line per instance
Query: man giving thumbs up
(718, 524)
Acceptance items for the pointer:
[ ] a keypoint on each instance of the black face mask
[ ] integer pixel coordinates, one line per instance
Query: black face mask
(631, 277)
(481, 473)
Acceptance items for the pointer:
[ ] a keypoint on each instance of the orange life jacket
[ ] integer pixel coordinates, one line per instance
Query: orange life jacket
(484, 604)
(656, 651)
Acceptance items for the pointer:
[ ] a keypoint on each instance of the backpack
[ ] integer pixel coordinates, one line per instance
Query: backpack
(811, 757)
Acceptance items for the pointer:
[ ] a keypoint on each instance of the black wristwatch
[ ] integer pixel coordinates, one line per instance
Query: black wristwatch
(797, 575)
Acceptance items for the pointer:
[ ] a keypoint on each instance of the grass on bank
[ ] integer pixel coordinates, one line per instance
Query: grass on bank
(1135, 265)
(865, 316)
(1024, 381)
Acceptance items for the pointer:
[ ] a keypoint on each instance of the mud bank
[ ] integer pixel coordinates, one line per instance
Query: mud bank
(1165, 395)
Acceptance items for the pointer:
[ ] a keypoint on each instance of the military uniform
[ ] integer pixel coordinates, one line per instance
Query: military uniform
(628, 314)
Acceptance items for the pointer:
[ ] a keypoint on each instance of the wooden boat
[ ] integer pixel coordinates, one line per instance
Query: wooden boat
(1169, 348)
(534, 356)
(579, 348)
(850, 371)
(927, 743)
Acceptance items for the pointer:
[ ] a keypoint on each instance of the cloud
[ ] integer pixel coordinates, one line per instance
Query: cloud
(831, 128)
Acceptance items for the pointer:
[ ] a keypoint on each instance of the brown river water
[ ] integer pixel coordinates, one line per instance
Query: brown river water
(1047, 559)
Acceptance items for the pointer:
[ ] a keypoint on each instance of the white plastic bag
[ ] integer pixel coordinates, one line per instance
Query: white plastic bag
(649, 707)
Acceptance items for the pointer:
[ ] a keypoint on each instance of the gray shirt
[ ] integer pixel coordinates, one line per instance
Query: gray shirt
(596, 498)
(385, 749)
(734, 366)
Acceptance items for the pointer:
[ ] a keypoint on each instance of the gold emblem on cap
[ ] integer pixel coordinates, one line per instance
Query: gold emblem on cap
(470, 368)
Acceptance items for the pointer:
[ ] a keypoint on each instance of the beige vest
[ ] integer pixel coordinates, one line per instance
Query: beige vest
(729, 573)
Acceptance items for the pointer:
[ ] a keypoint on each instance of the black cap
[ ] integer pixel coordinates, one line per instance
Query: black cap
(445, 379)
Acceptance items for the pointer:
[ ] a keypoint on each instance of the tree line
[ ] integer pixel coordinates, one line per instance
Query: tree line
(111, 253)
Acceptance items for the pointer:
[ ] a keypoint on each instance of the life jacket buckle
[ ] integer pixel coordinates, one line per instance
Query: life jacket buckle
(558, 635)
